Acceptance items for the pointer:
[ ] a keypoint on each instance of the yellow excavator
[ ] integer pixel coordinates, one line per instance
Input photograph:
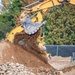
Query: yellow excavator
(31, 27)
(31, 24)
(31, 19)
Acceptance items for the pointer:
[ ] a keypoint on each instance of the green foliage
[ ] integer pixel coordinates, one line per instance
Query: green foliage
(6, 23)
(1, 35)
(7, 20)
(15, 7)
(60, 27)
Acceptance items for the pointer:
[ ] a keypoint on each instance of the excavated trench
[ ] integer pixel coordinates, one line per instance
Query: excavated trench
(68, 69)
(25, 52)
(29, 43)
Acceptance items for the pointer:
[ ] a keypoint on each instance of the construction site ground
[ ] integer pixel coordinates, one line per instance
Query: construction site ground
(15, 54)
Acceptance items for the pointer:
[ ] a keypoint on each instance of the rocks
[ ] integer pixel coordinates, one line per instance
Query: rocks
(15, 69)
(13, 53)
(19, 69)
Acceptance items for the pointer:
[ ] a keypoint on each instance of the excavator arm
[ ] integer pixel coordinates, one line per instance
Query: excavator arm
(28, 23)
(28, 32)
(38, 6)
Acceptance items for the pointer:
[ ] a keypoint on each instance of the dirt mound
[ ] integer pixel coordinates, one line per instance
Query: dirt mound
(13, 53)
(59, 62)
(69, 68)
(29, 43)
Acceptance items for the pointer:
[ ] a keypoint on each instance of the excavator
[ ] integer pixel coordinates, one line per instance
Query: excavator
(28, 34)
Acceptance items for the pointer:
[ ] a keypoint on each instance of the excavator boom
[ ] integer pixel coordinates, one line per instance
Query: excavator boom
(28, 32)
(40, 5)
(32, 27)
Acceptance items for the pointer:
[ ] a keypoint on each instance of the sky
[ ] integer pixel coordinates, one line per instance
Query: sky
(0, 2)
(0, 5)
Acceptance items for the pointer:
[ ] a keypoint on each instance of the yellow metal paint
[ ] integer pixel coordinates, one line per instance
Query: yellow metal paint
(45, 5)
(40, 41)
(41, 6)
(10, 36)
(72, 1)
(34, 19)
(40, 17)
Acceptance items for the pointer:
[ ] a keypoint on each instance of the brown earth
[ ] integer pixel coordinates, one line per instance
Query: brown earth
(25, 51)
(69, 68)
(59, 62)
(29, 43)
(28, 53)
(13, 53)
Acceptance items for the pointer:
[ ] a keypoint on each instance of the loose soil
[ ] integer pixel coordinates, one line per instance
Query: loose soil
(14, 53)
(29, 54)
(59, 62)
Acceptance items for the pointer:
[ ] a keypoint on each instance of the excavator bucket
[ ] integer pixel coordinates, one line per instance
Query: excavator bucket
(31, 27)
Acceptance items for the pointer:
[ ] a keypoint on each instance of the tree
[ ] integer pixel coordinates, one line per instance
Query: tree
(60, 27)
(7, 20)
(10, 12)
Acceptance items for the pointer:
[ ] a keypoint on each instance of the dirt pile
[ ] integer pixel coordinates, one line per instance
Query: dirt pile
(68, 70)
(59, 62)
(19, 69)
(15, 69)
(13, 53)
(29, 43)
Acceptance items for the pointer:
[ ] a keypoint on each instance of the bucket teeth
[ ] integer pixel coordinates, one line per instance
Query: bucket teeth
(33, 28)
(33, 32)
(29, 33)
(37, 28)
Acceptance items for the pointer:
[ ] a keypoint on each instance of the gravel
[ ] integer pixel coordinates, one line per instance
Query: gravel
(15, 69)
(19, 69)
